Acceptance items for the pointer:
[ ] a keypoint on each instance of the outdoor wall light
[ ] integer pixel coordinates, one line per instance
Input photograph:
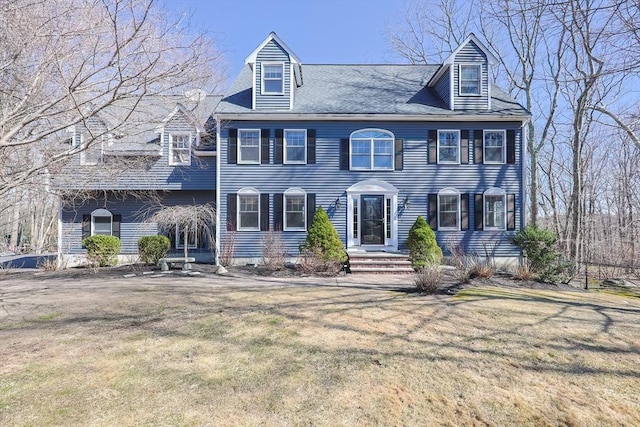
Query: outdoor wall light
(406, 203)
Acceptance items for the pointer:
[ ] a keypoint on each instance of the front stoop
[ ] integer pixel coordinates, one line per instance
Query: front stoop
(379, 263)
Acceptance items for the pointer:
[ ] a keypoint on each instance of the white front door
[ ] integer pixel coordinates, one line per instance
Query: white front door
(372, 216)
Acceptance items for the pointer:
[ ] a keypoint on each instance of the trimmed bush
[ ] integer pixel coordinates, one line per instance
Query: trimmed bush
(152, 248)
(323, 241)
(102, 250)
(422, 245)
(539, 245)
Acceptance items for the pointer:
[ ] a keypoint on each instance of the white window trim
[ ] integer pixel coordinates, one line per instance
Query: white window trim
(102, 213)
(262, 85)
(284, 147)
(494, 192)
(249, 162)
(457, 161)
(504, 147)
(449, 192)
(460, 92)
(83, 153)
(299, 192)
(371, 148)
(172, 135)
(247, 191)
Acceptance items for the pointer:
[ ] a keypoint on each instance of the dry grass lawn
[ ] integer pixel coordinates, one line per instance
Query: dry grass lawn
(328, 352)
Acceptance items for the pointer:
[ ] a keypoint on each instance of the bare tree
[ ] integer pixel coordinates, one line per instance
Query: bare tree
(64, 61)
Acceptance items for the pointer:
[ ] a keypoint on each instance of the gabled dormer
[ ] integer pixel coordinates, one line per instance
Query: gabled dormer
(277, 72)
(462, 80)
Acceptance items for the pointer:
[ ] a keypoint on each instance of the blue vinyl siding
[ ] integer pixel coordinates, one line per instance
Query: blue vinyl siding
(273, 53)
(443, 87)
(140, 172)
(471, 54)
(416, 181)
(133, 211)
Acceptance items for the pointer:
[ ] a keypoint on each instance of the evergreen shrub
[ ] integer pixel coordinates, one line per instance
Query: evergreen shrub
(422, 245)
(153, 248)
(102, 250)
(323, 242)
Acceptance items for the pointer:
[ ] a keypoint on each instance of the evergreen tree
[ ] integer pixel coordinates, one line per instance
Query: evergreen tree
(422, 245)
(323, 240)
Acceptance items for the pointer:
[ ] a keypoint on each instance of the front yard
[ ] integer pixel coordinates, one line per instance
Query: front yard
(312, 351)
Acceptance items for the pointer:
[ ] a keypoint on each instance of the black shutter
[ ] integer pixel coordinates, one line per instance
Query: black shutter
(311, 146)
(311, 208)
(477, 146)
(344, 154)
(86, 227)
(511, 146)
(433, 211)
(399, 154)
(115, 225)
(464, 147)
(264, 143)
(464, 211)
(232, 212)
(279, 137)
(478, 216)
(232, 146)
(264, 212)
(511, 211)
(278, 212)
(433, 146)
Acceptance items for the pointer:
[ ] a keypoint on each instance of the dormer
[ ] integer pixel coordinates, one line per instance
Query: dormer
(462, 80)
(277, 72)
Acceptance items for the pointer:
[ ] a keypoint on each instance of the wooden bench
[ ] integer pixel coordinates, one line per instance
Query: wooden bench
(186, 262)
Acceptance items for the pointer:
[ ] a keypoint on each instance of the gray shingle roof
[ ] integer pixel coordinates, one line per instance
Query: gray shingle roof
(364, 89)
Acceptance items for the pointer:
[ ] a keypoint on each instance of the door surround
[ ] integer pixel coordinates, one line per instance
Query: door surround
(372, 187)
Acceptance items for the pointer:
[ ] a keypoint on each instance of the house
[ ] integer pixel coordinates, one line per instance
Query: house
(143, 154)
(376, 146)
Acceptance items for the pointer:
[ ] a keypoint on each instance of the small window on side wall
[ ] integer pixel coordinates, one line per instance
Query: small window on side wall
(470, 83)
(272, 79)
(179, 149)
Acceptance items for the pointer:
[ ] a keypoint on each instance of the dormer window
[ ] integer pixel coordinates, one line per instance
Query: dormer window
(470, 79)
(179, 149)
(272, 79)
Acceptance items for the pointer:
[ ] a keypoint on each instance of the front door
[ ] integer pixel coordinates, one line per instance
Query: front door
(372, 232)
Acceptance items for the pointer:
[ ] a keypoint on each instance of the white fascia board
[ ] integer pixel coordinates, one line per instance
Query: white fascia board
(378, 117)
(251, 59)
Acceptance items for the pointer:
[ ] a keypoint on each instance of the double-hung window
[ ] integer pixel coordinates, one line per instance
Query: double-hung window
(272, 79)
(295, 146)
(494, 146)
(249, 146)
(179, 149)
(372, 149)
(248, 210)
(449, 209)
(449, 146)
(470, 79)
(495, 209)
(101, 223)
(295, 210)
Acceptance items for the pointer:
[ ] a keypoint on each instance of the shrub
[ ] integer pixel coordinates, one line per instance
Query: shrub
(323, 242)
(422, 245)
(428, 279)
(102, 251)
(273, 253)
(153, 248)
(539, 247)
